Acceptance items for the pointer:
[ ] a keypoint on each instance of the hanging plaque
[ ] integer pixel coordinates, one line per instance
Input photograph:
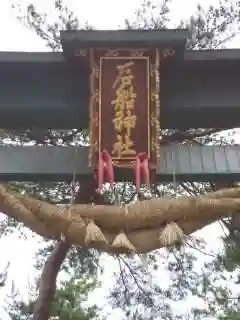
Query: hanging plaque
(125, 105)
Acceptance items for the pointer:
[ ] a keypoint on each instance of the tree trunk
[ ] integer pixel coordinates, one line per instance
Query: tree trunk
(47, 287)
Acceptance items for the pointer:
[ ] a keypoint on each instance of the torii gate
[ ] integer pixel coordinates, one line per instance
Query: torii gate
(197, 89)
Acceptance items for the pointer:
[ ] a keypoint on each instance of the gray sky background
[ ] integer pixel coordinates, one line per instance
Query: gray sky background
(103, 14)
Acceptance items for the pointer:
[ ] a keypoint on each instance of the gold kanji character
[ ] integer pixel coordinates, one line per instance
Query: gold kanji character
(125, 95)
(123, 146)
(129, 122)
(119, 102)
(125, 75)
(118, 120)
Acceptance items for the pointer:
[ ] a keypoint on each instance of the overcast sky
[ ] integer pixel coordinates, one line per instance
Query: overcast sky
(103, 14)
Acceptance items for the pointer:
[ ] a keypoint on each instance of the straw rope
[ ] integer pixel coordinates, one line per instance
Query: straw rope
(145, 220)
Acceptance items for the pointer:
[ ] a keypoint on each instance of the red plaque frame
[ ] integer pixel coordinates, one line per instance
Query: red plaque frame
(125, 105)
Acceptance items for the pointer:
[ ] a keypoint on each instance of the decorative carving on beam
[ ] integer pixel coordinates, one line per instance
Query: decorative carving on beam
(81, 53)
(125, 105)
(168, 52)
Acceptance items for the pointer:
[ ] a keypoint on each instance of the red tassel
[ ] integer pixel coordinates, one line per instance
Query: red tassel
(145, 170)
(142, 170)
(138, 174)
(105, 169)
(100, 171)
(108, 167)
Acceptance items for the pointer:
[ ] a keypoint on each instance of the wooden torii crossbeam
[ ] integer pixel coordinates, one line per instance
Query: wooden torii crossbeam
(190, 163)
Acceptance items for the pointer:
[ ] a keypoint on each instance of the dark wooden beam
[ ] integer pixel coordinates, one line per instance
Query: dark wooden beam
(57, 57)
(143, 37)
(15, 57)
(73, 40)
(48, 94)
(43, 90)
(190, 163)
(212, 55)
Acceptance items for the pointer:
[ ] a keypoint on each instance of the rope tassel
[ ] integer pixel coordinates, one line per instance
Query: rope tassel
(122, 243)
(94, 235)
(171, 234)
